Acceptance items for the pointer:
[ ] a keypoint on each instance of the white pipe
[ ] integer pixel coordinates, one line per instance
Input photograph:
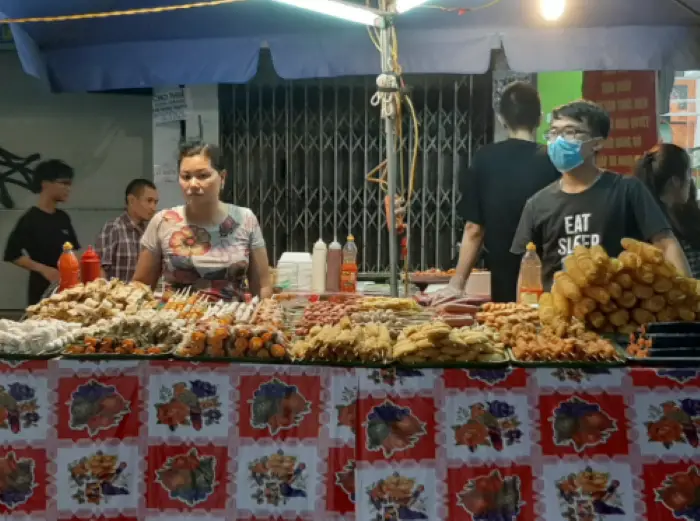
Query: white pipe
(392, 171)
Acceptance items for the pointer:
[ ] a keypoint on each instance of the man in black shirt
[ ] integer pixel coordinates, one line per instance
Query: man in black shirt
(588, 206)
(37, 240)
(501, 178)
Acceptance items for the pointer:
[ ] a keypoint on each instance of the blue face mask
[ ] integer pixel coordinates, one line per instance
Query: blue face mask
(565, 155)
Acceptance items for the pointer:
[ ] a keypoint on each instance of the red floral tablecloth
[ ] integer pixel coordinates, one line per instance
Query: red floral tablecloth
(178, 442)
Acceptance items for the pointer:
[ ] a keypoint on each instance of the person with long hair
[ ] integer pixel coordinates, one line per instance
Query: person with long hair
(665, 170)
(205, 244)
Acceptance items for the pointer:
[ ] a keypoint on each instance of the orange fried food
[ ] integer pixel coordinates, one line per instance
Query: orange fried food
(597, 293)
(646, 252)
(572, 268)
(567, 287)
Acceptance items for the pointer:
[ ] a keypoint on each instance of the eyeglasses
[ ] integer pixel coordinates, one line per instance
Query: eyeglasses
(569, 134)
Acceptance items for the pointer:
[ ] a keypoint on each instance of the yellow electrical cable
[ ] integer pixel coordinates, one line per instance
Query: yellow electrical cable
(380, 169)
(110, 14)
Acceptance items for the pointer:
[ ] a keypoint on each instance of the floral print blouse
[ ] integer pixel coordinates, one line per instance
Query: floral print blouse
(214, 259)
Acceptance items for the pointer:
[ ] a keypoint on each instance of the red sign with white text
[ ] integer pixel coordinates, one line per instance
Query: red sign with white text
(630, 99)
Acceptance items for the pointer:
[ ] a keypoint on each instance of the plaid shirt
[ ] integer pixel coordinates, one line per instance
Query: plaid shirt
(118, 246)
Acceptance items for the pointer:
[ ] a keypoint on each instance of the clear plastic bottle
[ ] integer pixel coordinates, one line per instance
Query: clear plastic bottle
(348, 272)
(530, 278)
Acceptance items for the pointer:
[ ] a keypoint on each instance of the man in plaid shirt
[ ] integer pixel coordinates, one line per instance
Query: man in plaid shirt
(119, 241)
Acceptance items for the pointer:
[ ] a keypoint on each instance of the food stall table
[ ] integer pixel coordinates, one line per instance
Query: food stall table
(160, 439)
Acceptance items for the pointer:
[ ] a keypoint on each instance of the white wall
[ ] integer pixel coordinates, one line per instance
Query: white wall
(202, 122)
(106, 138)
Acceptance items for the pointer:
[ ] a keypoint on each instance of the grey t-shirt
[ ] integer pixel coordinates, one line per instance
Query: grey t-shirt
(614, 207)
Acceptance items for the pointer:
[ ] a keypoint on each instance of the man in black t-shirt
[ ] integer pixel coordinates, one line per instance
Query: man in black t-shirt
(36, 242)
(501, 178)
(589, 206)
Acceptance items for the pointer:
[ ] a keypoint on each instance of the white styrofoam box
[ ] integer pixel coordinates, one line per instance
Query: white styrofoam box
(479, 283)
(294, 271)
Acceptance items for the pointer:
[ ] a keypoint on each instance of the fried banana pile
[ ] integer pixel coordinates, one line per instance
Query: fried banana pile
(618, 295)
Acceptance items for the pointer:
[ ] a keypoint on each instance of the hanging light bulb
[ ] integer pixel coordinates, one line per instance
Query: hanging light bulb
(338, 9)
(552, 10)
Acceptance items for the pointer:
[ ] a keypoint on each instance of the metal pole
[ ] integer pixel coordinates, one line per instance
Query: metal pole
(390, 130)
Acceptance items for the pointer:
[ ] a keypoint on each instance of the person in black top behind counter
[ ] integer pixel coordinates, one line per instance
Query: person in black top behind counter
(36, 242)
(588, 206)
(501, 178)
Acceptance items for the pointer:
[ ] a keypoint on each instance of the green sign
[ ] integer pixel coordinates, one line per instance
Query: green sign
(556, 88)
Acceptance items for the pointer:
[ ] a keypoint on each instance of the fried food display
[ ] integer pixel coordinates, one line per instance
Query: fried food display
(395, 304)
(562, 339)
(549, 345)
(324, 313)
(145, 334)
(217, 340)
(619, 295)
(345, 342)
(191, 308)
(640, 345)
(394, 321)
(495, 314)
(88, 303)
(439, 343)
(269, 312)
(505, 318)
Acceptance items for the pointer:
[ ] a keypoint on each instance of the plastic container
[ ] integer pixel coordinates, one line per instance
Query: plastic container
(530, 278)
(90, 266)
(479, 283)
(348, 271)
(318, 266)
(334, 264)
(294, 271)
(68, 268)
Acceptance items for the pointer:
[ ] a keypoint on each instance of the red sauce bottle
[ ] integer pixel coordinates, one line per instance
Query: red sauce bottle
(68, 268)
(90, 266)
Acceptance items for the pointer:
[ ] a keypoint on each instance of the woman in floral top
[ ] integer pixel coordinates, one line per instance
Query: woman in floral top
(665, 170)
(205, 244)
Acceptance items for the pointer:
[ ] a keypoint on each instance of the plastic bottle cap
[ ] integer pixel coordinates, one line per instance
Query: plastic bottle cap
(89, 253)
(531, 246)
(67, 246)
(351, 238)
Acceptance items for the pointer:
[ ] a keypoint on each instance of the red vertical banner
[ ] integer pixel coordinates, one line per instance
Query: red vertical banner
(630, 99)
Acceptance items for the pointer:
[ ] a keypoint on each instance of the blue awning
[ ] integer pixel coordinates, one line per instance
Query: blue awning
(222, 44)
